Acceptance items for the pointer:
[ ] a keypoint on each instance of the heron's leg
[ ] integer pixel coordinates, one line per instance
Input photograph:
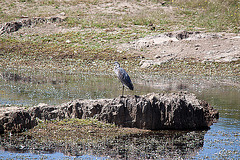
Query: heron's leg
(123, 91)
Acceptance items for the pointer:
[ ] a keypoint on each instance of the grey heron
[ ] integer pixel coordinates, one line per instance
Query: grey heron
(123, 77)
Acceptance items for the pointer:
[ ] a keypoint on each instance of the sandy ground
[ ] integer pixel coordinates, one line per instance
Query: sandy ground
(199, 46)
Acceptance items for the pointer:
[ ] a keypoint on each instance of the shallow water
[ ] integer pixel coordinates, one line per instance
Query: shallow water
(221, 141)
(56, 88)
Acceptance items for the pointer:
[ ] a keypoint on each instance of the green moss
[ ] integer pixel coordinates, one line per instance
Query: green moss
(77, 130)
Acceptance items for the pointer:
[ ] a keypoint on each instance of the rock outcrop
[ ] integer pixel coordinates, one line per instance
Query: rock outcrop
(153, 111)
(15, 119)
(28, 22)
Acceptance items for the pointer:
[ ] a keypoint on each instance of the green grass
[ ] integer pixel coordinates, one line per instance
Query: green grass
(189, 67)
(64, 50)
(84, 123)
(100, 32)
(77, 130)
(78, 44)
(214, 15)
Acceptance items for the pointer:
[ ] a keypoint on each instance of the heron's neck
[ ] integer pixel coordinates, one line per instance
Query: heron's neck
(116, 69)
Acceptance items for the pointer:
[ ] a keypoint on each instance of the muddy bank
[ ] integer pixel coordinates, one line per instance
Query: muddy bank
(152, 111)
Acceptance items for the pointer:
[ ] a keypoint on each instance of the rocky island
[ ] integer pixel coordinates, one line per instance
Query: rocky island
(154, 111)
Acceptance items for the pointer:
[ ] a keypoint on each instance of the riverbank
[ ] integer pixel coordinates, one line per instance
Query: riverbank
(64, 41)
(179, 57)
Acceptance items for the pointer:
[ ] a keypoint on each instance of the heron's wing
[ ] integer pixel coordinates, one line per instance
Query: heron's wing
(124, 78)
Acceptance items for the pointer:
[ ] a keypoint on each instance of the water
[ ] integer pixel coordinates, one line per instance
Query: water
(52, 156)
(220, 142)
(56, 88)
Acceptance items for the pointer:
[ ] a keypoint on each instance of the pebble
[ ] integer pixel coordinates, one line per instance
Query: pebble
(197, 45)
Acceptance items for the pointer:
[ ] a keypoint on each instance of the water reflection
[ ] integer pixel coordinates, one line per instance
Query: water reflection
(151, 145)
(161, 144)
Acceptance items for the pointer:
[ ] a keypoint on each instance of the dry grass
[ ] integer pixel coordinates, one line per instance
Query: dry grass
(98, 25)
(212, 15)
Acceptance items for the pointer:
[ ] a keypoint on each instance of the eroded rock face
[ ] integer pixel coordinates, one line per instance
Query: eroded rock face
(15, 119)
(16, 25)
(153, 111)
(159, 111)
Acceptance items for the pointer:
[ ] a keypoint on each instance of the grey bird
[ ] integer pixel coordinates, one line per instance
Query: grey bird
(123, 77)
